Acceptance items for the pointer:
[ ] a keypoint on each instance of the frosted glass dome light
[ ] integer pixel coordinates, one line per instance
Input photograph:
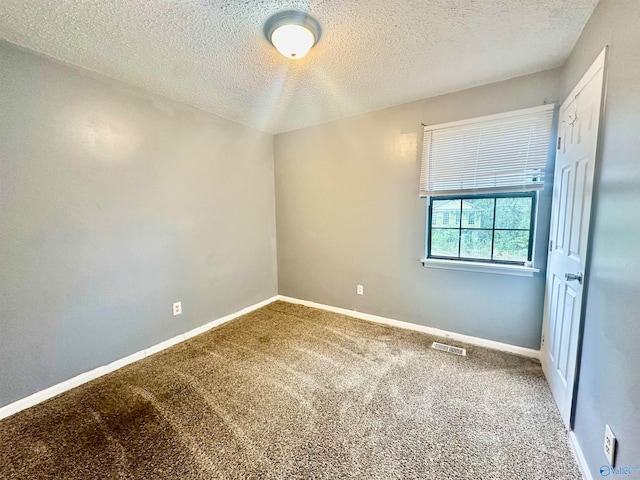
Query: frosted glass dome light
(293, 41)
(292, 33)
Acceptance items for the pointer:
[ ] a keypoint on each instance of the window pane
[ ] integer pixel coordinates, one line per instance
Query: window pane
(464, 228)
(513, 212)
(476, 244)
(446, 213)
(511, 245)
(477, 213)
(444, 242)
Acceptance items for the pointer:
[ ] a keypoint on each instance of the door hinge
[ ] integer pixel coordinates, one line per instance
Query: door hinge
(542, 339)
(559, 142)
(551, 245)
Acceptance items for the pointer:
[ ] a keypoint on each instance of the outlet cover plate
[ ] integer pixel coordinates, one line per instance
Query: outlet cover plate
(177, 308)
(360, 289)
(609, 444)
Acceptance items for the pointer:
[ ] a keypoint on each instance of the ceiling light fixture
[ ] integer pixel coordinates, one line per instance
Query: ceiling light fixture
(293, 33)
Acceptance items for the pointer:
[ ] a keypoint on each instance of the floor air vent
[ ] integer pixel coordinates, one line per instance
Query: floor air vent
(449, 348)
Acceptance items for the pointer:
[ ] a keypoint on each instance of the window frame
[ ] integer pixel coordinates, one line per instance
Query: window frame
(532, 228)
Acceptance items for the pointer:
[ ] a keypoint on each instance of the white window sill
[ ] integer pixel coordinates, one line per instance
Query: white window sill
(497, 268)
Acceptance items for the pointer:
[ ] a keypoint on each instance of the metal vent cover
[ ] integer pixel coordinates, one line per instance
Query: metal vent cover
(449, 348)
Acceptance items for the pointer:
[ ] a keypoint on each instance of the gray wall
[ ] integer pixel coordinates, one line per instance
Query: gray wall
(609, 381)
(114, 204)
(348, 213)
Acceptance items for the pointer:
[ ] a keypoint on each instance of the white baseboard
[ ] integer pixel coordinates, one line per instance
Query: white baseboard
(582, 462)
(78, 380)
(480, 342)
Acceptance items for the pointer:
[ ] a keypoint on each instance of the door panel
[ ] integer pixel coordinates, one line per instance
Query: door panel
(568, 317)
(582, 171)
(555, 305)
(565, 181)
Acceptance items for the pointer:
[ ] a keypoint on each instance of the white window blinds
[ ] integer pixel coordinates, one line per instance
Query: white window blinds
(498, 153)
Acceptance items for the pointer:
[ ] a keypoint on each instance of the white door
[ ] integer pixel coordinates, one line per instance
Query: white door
(569, 234)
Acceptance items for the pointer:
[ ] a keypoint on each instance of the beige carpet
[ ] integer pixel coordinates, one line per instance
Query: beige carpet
(293, 392)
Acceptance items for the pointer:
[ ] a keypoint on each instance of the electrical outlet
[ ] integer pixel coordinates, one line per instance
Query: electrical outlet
(177, 308)
(609, 444)
(360, 290)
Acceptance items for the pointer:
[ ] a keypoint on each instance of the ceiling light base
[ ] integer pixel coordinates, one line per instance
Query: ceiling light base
(291, 19)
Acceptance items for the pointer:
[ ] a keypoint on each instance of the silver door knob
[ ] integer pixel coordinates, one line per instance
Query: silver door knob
(573, 276)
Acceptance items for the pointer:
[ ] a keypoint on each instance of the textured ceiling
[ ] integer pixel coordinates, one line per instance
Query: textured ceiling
(373, 53)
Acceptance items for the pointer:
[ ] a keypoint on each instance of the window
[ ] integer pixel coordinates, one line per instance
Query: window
(482, 175)
(494, 228)
(471, 218)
